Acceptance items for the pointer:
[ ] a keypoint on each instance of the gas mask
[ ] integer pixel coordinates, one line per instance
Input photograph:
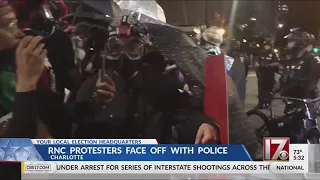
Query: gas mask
(131, 48)
(126, 45)
(125, 54)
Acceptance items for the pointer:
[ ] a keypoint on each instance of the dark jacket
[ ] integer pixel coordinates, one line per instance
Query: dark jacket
(25, 113)
(300, 77)
(267, 57)
(146, 107)
(61, 57)
(51, 109)
(238, 74)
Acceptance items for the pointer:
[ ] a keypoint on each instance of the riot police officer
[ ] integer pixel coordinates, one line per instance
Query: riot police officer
(268, 62)
(301, 71)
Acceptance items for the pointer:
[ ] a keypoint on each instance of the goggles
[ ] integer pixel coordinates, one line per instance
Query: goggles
(133, 48)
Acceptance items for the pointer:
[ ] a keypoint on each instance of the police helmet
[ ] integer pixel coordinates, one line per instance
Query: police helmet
(301, 38)
(268, 41)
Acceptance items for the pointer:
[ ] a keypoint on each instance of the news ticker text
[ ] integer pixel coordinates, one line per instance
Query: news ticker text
(163, 167)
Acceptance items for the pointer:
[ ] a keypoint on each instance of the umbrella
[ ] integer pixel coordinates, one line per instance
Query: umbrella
(173, 43)
(176, 46)
(106, 7)
(91, 17)
(101, 12)
(149, 8)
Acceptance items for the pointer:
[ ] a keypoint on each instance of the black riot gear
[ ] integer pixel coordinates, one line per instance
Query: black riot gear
(301, 73)
(300, 76)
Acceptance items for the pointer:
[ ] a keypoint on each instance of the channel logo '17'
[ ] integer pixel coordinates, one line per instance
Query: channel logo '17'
(276, 149)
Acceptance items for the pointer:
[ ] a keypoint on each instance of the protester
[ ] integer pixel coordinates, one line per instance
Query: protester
(30, 58)
(29, 61)
(62, 73)
(211, 40)
(135, 99)
(240, 127)
(36, 15)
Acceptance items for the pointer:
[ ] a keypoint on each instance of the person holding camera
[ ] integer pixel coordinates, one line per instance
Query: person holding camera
(22, 60)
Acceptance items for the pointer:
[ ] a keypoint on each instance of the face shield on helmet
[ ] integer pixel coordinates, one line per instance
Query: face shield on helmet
(126, 37)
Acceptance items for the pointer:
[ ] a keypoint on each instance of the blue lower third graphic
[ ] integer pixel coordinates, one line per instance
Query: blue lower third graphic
(18, 150)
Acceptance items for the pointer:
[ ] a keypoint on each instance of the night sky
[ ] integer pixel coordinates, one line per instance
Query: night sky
(303, 13)
(195, 11)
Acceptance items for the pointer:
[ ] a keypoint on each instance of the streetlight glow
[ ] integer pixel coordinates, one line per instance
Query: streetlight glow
(276, 50)
(253, 19)
(197, 30)
(221, 31)
(244, 40)
(280, 25)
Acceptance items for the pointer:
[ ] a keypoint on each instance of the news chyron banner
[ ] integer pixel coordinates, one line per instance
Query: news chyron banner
(216, 94)
(135, 156)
